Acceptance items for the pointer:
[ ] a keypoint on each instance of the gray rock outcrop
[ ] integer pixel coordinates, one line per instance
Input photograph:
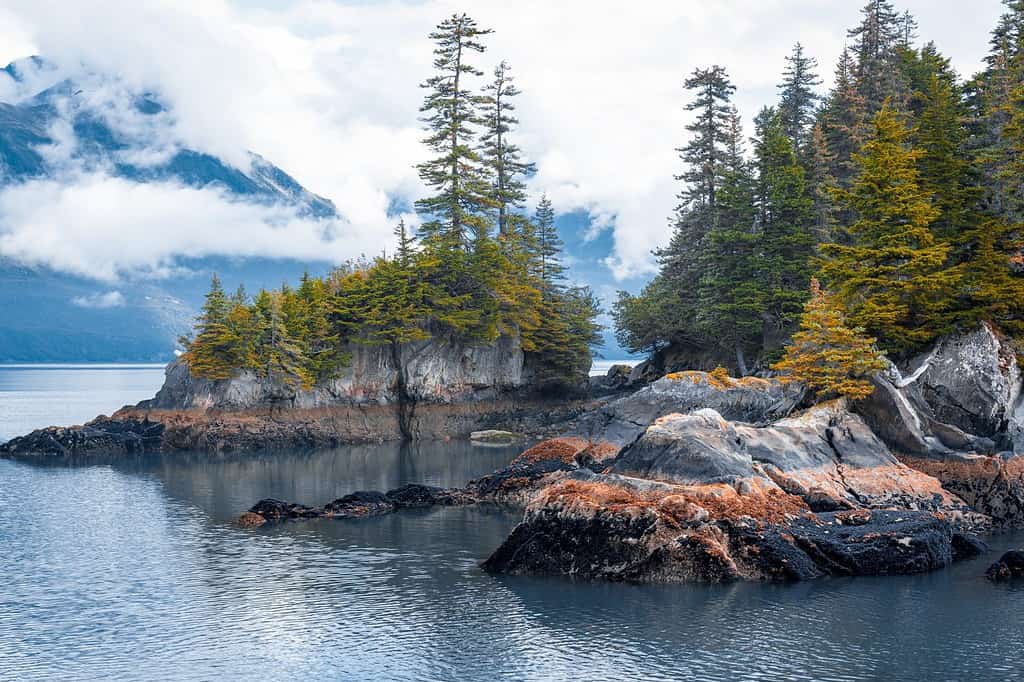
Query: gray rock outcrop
(752, 400)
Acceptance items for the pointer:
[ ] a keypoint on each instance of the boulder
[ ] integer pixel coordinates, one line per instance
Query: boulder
(358, 504)
(971, 381)
(615, 380)
(101, 436)
(614, 528)
(493, 436)
(701, 447)
(955, 415)
(748, 399)
(962, 396)
(1009, 567)
(827, 456)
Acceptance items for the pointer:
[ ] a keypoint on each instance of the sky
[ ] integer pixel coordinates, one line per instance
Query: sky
(329, 92)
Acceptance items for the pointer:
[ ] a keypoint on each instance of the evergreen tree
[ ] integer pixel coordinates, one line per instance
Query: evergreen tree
(549, 268)
(940, 136)
(821, 185)
(875, 42)
(704, 158)
(892, 279)
(730, 298)
(704, 155)
(457, 211)
(798, 98)
(279, 356)
(214, 352)
(829, 356)
(787, 239)
(502, 156)
(845, 124)
(405, 245)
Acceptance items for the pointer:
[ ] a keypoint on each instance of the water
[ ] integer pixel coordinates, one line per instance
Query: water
(132, 570)
(34, 396)
(600, 367)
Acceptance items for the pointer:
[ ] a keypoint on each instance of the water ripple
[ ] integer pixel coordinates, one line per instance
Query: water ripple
(133, 571)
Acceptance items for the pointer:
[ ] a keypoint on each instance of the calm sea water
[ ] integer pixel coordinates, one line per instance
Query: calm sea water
(132, 570)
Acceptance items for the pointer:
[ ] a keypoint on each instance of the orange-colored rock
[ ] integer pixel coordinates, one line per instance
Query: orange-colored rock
(251, 520)
(569, 450)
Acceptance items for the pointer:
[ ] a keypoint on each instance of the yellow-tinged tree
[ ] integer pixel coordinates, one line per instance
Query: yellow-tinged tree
(893, 277)
(830, 357)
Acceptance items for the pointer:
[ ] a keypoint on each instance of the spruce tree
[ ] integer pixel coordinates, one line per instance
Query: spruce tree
(875, 43)
(787, 237)
(215, 351)
(845, 124)
(462, 198)
(278, 354)
(798, 98)
(548, 261)
(830, 357)
(502, 156)
(730, 298)
(945, 170)
(704, 158)
(821, 185)
(892, 279)
(405, 245)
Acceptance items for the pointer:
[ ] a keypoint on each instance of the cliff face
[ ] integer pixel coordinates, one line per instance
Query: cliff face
(426, 390)
(439, 371)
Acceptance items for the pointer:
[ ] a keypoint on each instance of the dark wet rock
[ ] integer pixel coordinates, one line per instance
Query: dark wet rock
(1009, 567)
(517, 482)
(609, 528)
(360, 503)
(616, 380)
(749, 400)
(418, 496)
(276, 510)
(101, 436)
(967, 546)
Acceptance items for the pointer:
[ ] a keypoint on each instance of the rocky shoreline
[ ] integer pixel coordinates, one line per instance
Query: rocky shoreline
(693, 477)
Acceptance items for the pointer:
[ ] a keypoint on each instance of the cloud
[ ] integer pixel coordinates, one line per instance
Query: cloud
(106, 228)
(110, 299)
(328, 91)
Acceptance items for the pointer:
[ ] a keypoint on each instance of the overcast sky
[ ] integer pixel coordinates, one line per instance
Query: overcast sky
(328, 91)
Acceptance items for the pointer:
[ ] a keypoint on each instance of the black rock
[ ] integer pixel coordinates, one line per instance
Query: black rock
(276, 510)
(360, 503)
(967, 546)
(418, 496)
(1010, 566)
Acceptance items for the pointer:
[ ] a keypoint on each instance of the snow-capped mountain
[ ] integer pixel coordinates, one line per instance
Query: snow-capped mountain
(52, 126)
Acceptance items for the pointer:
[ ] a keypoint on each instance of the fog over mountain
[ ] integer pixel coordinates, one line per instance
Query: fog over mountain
(154, 143)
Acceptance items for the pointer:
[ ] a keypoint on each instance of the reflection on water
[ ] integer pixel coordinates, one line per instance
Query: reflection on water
(133, 570)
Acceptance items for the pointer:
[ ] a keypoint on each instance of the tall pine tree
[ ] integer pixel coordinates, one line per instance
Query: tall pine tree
(457, 211)
(502, 156)
(798, 99)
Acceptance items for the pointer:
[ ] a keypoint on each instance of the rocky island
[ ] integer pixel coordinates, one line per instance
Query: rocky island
(782, 428)
(696, 476)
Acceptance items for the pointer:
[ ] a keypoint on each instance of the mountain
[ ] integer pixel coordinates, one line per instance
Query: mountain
(50, 316)
(25, 131)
